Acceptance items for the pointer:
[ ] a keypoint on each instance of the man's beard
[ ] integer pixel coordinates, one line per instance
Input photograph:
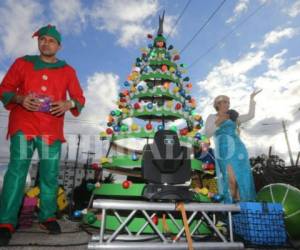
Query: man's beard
(48, 54)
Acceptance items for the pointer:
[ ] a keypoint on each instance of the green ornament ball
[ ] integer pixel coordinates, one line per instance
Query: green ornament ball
(90, 186)
(160, 103)
(204, 138)
(193, 113)
(91, 218)
(173, 128)
(124, 127)
(289, 197)
(150, 85)
(117, 112)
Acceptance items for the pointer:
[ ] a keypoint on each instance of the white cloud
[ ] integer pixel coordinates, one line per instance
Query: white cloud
(242, 66)
(276, 61)
(293, 10)
(101, 96)
(128, 20)
(279, 99)
(131, 33)
(276, 36)
(69, 16)
(228, 78)
(241, 7)
(169, 26)
(19, 20)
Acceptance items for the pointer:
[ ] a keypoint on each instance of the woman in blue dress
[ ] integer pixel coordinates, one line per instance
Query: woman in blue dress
(235, 180)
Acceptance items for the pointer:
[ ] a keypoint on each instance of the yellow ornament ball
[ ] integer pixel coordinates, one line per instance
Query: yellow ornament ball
(134, 75)
(103, 134)
(197, 117)
(203, 191)
(104, 160)
(169, 104)
(125, 111)
(175, 90)
(134, 127)
(172, 69)
(33, 192)
(133, 89)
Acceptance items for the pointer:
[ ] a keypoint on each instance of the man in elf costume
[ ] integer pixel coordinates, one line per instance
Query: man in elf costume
(34, 90)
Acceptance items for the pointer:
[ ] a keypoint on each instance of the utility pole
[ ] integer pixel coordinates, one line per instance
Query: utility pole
(71, 201)
(287, 142)
(286, 139)
(89, 153)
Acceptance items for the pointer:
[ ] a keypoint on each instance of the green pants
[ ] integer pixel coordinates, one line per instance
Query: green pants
(21, 152)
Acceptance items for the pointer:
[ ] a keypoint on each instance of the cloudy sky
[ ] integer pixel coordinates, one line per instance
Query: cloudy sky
(246, 45)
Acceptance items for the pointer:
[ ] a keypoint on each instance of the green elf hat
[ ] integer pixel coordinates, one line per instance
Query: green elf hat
(48, 30)
(159, 38)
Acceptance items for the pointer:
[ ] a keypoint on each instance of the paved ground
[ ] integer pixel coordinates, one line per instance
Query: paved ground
(73, 237)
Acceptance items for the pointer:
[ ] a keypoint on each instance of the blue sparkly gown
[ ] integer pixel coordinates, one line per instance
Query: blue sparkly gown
(230, 150)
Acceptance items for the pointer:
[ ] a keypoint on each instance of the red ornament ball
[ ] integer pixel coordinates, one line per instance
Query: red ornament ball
(137, 105)
(109, 131)
(126, 184)
(184, 131)
(178, 106)
(95, 166)
(155, 219)
(176, 57)
(149, 126)
(164, 68)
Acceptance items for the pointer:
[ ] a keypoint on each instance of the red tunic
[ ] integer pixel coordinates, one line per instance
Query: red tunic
(23, 79)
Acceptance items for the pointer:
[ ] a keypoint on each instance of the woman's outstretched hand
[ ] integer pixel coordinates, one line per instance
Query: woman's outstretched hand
(254, 93)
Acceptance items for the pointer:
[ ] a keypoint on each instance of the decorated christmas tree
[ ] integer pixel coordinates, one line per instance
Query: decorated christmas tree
(155, 96)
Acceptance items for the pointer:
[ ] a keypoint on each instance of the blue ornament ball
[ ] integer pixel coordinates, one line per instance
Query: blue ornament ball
(134, 157)
(150, 105)
(201, 123)
(77, 213)
(198, 136)
(160, 127)
(116, 128)
(186, 109)
(182, 92)
(217, 198)
(126, 84)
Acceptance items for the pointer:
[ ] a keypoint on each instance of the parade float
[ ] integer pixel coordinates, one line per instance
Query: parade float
(156, 96)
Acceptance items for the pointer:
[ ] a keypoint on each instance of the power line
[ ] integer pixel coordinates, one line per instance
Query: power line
(203, 26)
(179, 17)
(227, 35)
